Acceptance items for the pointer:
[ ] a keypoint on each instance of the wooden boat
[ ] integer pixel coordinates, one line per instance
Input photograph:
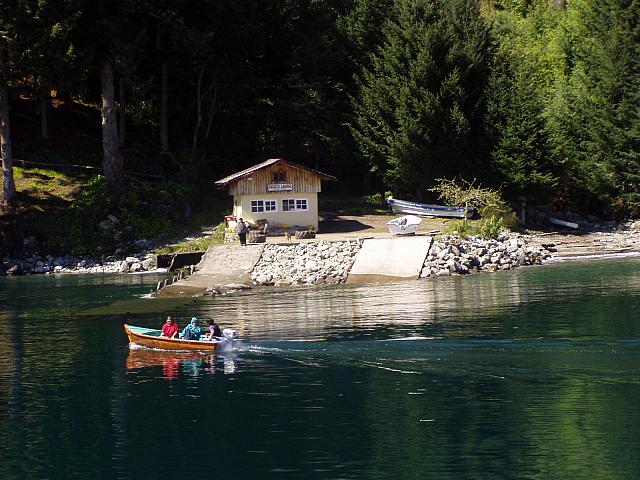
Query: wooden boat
(150, 338)
(407, 225)
(425, 209)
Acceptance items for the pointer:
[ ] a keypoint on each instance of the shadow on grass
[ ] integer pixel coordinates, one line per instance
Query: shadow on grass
(342, 225)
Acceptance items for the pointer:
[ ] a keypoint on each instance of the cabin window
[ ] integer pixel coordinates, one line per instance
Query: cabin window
(258, 206)
(294, 205)
(279, 176)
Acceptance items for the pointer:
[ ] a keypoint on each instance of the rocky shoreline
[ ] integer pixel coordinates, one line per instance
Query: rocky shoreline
(323, 261)
(329, 262)
(309, 263)
(452, 255)
(70, 264)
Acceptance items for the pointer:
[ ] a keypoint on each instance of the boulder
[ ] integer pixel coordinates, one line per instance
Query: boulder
(148, 263)
(14, 270)
(106, 225)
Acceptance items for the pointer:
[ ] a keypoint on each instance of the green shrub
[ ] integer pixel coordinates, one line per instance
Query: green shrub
(197, 245)
(150, 209)
(460, 228)
(491, 227)
(376, 199)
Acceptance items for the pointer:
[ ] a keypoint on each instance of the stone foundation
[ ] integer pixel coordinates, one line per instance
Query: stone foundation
(309, 263)
(453, 255)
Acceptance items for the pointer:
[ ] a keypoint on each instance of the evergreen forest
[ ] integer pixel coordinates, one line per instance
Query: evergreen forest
(538, 98)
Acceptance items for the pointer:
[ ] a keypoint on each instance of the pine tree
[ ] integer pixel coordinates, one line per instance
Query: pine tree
(596, 110)
(516, 120)
(418, 105)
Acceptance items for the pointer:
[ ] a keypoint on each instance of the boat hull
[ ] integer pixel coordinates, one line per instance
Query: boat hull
(426, 210)
(403, 229)
(151, 339)
(407, 225)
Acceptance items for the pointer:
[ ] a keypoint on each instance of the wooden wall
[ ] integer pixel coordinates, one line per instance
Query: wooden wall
(302, 181)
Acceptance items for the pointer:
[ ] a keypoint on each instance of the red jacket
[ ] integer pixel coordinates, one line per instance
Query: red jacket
(170, 330)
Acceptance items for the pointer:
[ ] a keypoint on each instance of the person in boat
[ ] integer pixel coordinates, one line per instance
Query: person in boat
(214, 329)
(170, 328)
(191, 331)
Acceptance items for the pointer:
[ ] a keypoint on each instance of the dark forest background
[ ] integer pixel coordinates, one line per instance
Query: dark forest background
(540, 98)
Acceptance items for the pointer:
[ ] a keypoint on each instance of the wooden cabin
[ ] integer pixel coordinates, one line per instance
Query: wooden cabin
(278, 191)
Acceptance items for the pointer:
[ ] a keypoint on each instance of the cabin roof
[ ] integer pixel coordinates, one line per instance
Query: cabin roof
(267, 163)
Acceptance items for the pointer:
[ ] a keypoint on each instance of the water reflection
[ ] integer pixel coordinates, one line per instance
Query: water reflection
(522, 374)
(172, 364)
(555, 301)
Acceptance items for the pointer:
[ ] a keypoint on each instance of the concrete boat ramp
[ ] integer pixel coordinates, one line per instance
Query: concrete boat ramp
(379, 260)
(221, 265)
(385, 259)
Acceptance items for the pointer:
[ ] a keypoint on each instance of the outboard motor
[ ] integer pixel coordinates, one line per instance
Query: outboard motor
(229, 334)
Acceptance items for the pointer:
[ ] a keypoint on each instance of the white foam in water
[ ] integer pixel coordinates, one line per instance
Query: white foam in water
(406, 339)
(258, 349)
(594, 256)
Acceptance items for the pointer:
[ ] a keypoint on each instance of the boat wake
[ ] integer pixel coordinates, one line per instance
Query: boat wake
(594, 256)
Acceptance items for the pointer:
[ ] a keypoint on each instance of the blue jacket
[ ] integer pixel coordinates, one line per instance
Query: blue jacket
(191, 332)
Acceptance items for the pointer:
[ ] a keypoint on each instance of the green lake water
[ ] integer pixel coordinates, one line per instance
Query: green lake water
(528, 374)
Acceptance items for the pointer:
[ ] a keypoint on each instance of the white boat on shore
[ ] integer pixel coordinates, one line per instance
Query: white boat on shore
(407, 225)
(425, 209)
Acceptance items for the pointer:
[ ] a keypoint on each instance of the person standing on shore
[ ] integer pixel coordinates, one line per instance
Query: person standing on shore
(242, 229)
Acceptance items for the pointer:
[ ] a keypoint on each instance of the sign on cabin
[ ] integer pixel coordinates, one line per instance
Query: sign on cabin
(276, 192)
(279, 187)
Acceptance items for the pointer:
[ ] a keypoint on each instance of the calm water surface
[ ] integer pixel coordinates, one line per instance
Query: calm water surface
(528, 374)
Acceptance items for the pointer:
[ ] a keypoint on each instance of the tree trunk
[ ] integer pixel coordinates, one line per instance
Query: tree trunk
(111, 159)
(8, 184)
(212, 110)
(164, 108)
(45, 102)
(122, 124)
(199, 98)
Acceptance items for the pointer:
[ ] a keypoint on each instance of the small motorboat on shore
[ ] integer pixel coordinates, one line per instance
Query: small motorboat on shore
(406, 225)
(428, 210)
(150, 338)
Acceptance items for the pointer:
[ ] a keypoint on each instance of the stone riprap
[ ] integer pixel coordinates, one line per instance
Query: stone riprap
(48, 264)
(308, 263)
(452, 255)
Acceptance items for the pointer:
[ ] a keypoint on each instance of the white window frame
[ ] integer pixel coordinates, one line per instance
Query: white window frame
(257, 206)
(294, 207)
(266, 206)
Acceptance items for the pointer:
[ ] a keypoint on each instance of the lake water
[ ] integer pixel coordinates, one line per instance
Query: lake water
(527, 374)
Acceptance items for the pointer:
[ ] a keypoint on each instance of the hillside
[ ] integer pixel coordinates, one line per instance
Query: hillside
(60, 199)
